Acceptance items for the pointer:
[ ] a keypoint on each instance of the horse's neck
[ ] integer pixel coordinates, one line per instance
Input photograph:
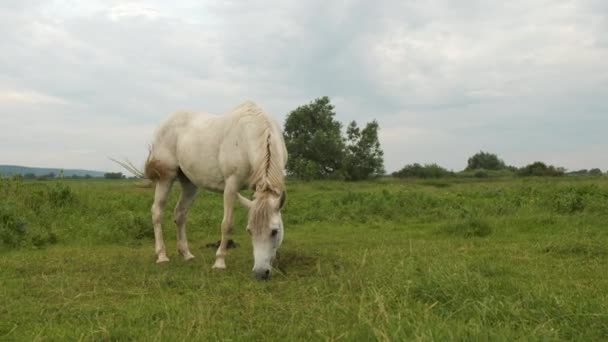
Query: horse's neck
(265, 153)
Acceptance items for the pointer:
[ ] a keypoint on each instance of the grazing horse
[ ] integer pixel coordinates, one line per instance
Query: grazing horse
(227, 153)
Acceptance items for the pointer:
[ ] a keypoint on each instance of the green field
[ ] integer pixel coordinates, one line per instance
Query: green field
(494, 259)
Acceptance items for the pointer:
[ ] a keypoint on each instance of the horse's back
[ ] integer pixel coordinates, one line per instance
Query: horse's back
(210, 148)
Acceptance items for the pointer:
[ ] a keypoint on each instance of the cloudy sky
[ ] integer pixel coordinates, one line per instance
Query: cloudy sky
(526, 79)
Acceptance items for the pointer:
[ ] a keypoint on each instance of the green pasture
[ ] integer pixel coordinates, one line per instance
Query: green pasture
(459, 259)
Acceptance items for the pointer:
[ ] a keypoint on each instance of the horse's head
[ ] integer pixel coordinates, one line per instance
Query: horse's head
(265, 227)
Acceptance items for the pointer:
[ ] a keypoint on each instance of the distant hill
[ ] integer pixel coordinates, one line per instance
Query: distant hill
(6, 170)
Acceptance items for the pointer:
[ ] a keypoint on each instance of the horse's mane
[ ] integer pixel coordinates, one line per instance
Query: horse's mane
(260, 213)
(267, 175)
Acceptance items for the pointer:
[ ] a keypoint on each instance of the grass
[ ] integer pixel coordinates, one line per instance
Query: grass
(506, 259)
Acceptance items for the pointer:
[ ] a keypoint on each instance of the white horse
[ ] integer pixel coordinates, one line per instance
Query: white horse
(243, 148)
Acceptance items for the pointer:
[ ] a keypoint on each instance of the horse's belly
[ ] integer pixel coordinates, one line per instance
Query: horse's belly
(204, 177)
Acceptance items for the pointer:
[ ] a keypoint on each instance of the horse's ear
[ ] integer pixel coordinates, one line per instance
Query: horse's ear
(282, 199)
(244, 201)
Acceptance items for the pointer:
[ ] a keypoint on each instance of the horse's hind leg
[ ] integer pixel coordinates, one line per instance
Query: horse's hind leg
(163, 187)
(181, 215)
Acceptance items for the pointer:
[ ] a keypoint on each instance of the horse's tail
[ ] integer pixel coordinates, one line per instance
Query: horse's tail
(127, 165)
(155, 170)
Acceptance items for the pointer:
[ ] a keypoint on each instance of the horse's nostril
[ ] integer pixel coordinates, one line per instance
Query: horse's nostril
(263, 275)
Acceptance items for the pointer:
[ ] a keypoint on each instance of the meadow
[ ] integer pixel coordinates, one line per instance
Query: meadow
(459, 259)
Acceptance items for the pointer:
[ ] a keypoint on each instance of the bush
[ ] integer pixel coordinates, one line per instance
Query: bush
(427, 171)
(584, 172)
(60, 195)
(12, 228)
(540, 169)
(141, 227)
(481, 174)
(571, 200)
(15, 231)
(126, 225)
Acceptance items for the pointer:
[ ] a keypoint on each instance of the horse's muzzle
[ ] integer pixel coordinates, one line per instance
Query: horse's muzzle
(262, 274)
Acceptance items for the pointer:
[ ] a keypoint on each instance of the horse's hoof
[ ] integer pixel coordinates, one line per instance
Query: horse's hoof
(188, 256)
(162, 259)
(219, 265)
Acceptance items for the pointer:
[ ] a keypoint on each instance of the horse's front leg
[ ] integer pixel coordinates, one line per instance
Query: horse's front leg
(230, 192)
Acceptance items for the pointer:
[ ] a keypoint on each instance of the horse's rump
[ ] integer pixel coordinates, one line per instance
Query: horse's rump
(156, 170)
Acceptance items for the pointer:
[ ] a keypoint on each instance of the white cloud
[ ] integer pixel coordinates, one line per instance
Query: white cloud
(28, 97)
(120, 11)
(444, 79)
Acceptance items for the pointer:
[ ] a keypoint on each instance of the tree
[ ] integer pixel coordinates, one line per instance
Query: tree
(313, 140)
(595, 172)
(113, 175)
(485, 160)
(363, 156)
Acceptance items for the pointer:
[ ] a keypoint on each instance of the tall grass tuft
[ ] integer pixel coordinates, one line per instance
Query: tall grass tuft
(469, 227)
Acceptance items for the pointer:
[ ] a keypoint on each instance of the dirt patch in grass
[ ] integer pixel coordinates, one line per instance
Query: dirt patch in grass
(296, 262)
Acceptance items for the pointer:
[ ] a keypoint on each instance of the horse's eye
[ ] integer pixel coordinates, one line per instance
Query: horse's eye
(274, 232)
